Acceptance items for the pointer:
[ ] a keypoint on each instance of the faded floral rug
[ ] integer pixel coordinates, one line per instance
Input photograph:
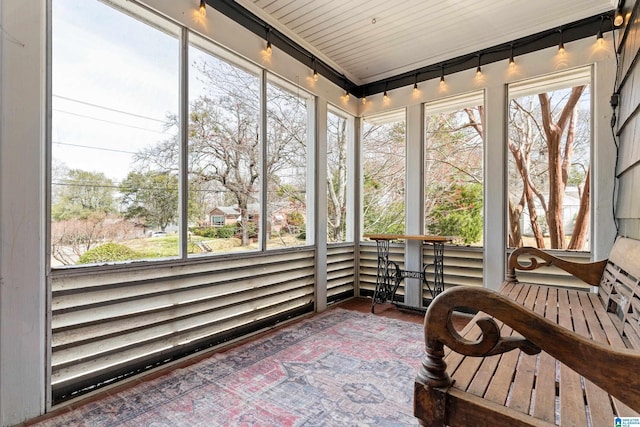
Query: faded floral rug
(339, 368)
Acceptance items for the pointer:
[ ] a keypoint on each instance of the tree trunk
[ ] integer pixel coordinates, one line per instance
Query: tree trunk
(557, 176)
(515, 232)
(579, 237)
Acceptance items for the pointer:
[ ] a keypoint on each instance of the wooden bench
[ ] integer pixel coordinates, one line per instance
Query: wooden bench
(537, 355)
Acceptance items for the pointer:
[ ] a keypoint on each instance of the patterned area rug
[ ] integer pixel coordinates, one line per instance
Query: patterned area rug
(339, 368)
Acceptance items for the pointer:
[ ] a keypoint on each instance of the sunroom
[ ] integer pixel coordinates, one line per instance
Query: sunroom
(178, 175)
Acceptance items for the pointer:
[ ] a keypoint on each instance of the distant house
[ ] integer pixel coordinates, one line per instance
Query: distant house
(223, 215)
(220, 216)
(231, 215)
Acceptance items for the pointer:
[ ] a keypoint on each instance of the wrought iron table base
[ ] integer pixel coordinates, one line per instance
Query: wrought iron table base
(389, 275)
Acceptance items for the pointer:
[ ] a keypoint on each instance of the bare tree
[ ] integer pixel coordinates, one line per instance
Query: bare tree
(453, 161)
(383, 168)
(225, 142)
(543, 139)
(72, 237)
(337, 177)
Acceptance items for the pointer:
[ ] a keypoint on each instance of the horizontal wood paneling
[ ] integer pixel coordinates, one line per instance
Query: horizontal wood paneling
(340, 271)
(628, 198)
(106, 325)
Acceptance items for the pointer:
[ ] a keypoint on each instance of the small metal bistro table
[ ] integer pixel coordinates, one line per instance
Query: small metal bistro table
(389, 274)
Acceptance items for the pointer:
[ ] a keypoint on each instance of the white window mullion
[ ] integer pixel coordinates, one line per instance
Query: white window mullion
(183, 169)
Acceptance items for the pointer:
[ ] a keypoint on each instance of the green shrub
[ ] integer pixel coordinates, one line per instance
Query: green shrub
(210, 232)
(227, 231)
(109, 252)
(303, 233)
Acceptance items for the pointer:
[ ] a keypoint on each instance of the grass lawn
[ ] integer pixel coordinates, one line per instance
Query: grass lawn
(166, 247)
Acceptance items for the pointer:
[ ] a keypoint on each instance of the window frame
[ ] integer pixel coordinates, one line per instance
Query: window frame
(187, 38)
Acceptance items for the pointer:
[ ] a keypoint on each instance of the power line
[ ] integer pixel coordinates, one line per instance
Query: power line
(109, 121)
(109, 108)
(93, 148)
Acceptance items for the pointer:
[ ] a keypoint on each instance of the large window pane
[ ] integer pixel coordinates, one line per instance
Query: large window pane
(453, 169)
(383, 168)
(338, 130)
(287, 122)
(549, 150)
(224, 153)
(115, 95)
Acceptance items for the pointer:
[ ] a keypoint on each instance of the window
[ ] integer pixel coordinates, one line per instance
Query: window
(383, 169)
(224, 149)
(453, 172)
(117, 146)
(288, 114)
(217, 220)
(549, 169)
(115, 97)
(339, 147)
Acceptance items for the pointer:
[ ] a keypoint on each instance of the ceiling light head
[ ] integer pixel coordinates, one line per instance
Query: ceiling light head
(561, 45)
(346, 95)
(315, 68)
(512, 61)
(203, 8)
(442, 76)
(385, 96)
(364, 100)
(268, 50)
(618, 18)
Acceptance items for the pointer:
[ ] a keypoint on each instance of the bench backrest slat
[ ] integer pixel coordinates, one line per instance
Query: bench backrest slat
(620, 288)
(625, 254)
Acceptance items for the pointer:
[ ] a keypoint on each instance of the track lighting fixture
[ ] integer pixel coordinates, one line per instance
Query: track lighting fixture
(203, 8)
(442, 75)
(346, 95)
(268, 49)
(599, 37)
(512, 60)
(561, 45)
(315, 70)
(479, 69)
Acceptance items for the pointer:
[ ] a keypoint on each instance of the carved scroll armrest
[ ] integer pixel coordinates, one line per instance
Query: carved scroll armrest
(590, 272)
(616, 371)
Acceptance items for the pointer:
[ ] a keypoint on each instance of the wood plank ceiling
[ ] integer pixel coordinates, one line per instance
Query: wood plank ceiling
(370, 40)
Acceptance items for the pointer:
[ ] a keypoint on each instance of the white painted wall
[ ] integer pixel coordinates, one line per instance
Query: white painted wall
(493, 81)
(22, 279)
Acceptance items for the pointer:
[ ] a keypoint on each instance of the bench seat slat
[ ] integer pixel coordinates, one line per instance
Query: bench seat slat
(572, 409)
(601, 409)
(544, 407)
(524, 380)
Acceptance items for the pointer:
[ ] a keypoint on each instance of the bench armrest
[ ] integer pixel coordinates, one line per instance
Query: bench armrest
(615, 371)
(590, 272)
